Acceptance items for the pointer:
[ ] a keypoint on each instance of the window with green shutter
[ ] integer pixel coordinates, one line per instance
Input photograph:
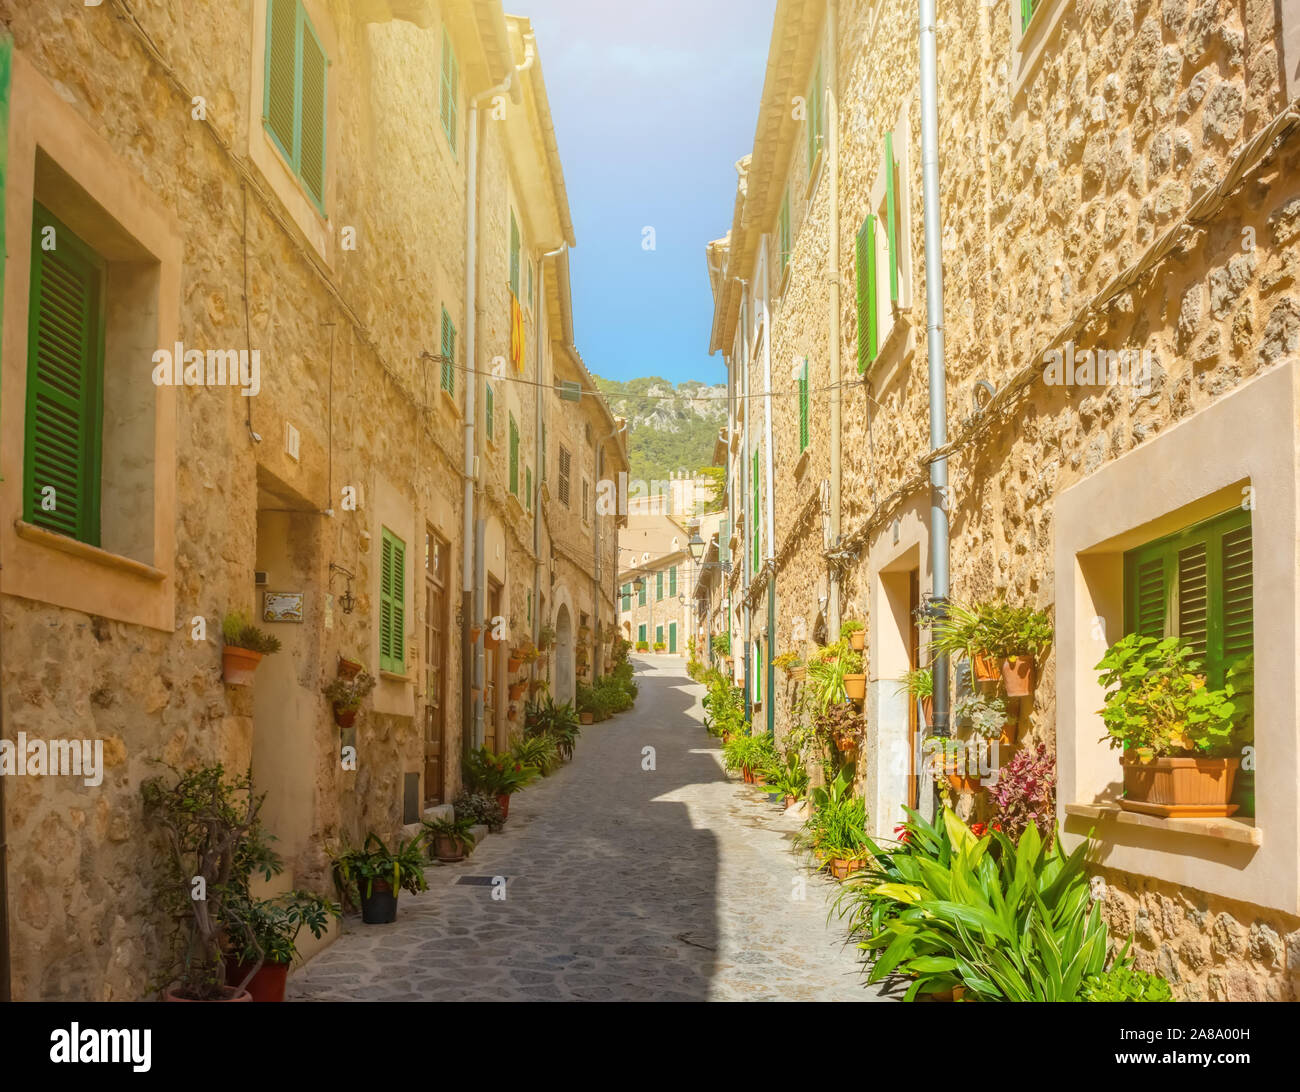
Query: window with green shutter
(1026, 13)
(672, 581)
(627, 596)
(514, 254)
(514, 456)
(640, 597)
(640, 633)
(758, 671)
(672, 636)
(865, 263)
(659, 635)
(803, 406)
(1196, 584)
(449, 94)
(449, 355)
(489, 412)
(816, 123)
(65, 382)
(783, 231)
(659, 584)
(294, 103)
(392, 603)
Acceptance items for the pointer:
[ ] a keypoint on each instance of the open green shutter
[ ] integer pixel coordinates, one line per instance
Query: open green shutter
(65, 367)
(280, 105)
(528, 488)
(659, 584)
(1237, 582)
(448, 354)
(1146, 606)
(311, 156)
(672, 581)
(386, 602)
(754, 515)
(399, 606)
(489, 414)
(448, 104)
(891, 216)
(514, 456)
(865, 254)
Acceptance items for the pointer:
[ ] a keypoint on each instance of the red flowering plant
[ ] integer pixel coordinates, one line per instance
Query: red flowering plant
(497, 774)
(1025, 792)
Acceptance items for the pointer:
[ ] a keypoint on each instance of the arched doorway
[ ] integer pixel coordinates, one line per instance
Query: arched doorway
(563, 654)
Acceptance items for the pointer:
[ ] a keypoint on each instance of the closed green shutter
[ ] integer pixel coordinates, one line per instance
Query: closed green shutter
(528, 488)
(640, 595)
(448, 102)
(1026, 13)
(816, 114)
(803, 406)
(724, 541)
(758, 671)
(449, 355)
(659, 635)
(312, 123)
(65, 377)
(514, 456)
(659, 584)
(672, 581)
(783, 227)
(489, 412)
(865, 253)
(280, 105)
(392, 604)
(627, 596)
(514, 255)
(640, 633)
(672, 636)
(1196, 584)
(891, 217)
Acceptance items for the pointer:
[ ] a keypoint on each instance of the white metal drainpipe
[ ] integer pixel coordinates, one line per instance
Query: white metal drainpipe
(538, 452)
(833, 170)
(934, 341)
(766, 673)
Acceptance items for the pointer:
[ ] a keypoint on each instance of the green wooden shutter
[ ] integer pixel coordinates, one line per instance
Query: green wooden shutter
(1026, 13)
(755, 514)
(311, 143)
(449, 104)
(724, 541)
(514, 456)
(640, 633)
(627, 596)
(514, 255)
(784, 231)
(865, 253)
(65, 383)
(672, 581)
(640, 598)
(1238, 605)
(891, 216)
(280, 101)
(816, 114)
(659, 635)
(803, 406)
(1147, 597)
(392, 603)
(758, 671)
(672, 636)
(659, 584)
(449, 355)
(489, 412)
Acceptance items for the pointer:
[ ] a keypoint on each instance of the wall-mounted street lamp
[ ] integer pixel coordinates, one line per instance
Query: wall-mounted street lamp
(696, 545)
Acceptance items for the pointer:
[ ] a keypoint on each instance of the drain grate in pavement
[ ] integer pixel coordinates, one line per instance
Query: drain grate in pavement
(483, 881)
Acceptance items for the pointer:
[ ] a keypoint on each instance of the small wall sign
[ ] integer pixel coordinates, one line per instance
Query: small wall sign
(282, 606)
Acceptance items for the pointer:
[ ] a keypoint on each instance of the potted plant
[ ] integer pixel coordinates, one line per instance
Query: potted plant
(491, 641)
(516, 690)
(213, 843)
(960, 631)
(1018, 637)
(1179, 736)
(376, 875)
(545, 637)
(642, 646)
(449, 840)
(274, 925)
(919, 685)
(836, 830)
(498, 775)
(790, 663)
(348, 669)
(346, 696)
(856, 634)
(986, 716)
(840, 723)
(788, 779)
(243, 649)
(480, 809)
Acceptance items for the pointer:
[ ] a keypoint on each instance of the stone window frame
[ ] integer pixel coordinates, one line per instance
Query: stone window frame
(1139, 497)
(1029, 43)
(55, 157)
(266, 155)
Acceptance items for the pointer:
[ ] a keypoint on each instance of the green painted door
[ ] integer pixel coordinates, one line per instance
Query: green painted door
(672, 637)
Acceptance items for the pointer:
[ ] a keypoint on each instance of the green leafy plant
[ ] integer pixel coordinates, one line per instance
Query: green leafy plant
(985, 715)
(348, 694)
(238, 632)
(721, 644)
(959, 631)
(496, 774)
(456, 829)
(850, 627)
(1157, 700)
(1123, 982)
(540, 751)
(1011, 632)
(749, 751)
(1018, 925)
(786, 660)
(558, 722)
(918, 683)
(827, 667)
(480, 809)
(787, 775)
(402, 868)
(545, 637)
(274, 925)
(837, 826)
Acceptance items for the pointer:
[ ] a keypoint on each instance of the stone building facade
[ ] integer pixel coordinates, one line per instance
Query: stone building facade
(319, 225)
(1119, 183)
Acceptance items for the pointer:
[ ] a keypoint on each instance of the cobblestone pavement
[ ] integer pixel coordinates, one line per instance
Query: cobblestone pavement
(622, 885)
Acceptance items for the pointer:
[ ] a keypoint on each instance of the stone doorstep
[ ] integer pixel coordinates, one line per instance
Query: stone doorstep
(438, 811)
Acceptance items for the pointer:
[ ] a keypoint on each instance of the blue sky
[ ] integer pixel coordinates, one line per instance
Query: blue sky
(653, 104)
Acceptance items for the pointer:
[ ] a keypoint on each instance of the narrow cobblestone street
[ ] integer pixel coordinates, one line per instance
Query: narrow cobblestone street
(622, 884)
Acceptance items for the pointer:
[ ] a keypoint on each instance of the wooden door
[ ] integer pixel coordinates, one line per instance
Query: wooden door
(436, 561)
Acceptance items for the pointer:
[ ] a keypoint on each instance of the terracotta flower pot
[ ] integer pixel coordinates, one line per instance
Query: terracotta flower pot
(228, 993)
(855, 687)
(746, 775)
(842, 867)
(345, 718)
(1180, 786)
(267, 984)
(238, 665)
(584, 718)
(348, 669)
(448, 849)
(789, 801)
(517, 690)
(1010, 731)
(1018, 676)
(491, 643)
(514, 663)
(760, 778)
(504, 800)
(962, 783)
(858, 640)
(927, 710)
(986, 668)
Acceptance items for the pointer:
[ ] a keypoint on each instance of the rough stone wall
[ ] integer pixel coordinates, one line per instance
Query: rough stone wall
(80, 860)
(1133, 114)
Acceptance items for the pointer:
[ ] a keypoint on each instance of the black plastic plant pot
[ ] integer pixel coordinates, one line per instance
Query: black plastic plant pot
(381, 906)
